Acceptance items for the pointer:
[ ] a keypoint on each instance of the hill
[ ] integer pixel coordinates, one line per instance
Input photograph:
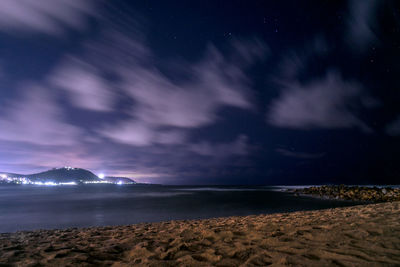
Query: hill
(66, 175)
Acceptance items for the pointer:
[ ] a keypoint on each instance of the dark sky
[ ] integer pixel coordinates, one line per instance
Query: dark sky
(202, 92)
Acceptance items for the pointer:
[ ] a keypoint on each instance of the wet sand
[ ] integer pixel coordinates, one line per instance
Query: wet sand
(366, 235)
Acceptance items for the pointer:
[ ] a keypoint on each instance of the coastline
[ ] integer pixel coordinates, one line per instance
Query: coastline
(358, 235)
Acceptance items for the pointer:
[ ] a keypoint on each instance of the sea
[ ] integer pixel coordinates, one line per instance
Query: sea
(29, 207)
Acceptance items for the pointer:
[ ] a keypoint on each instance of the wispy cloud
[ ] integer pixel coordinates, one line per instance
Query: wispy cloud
(29, 158)
(328, 102)
(296, 62)
(163, 107)
(141, 112)
(36, 135)
(361, 23)
(84, 85)
(137, 133)
(44, 16)
(314, 95)
(298, 154)
(35, 118)
(218, 150)
(210, 84)
(393, 128)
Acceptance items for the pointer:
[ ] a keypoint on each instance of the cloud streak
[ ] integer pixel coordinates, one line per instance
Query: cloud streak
(237, 147)
(360, 24)
(299, 155)
(328, 102)
(86, 88)
(314, 95)
(211, 84)
(36, 119)
(141, 112)
(162, 108)
(44, 16)
(393, 128)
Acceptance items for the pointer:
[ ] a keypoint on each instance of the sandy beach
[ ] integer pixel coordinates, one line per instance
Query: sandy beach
(367, 235)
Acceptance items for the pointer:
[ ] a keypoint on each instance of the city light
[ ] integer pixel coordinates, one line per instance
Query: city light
(101, 175)
(42, 182)
(97, 182)
(69, 183)
(69, 168)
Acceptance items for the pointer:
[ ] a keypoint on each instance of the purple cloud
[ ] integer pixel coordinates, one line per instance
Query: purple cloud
(163, 108)
(295, 62)
(140, 115)
(361, 23)
(162, 102)
(44, 16)
(35, 134)
(393, 128)
(326, 102)
(249, 51)
(237, 147)
(212, 83)
(84, 85)
(27, 158)
(137, 133)
(297, 154)
(36, 119)
(321, 103)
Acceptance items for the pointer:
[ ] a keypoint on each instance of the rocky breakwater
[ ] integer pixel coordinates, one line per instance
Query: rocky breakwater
(356, 193)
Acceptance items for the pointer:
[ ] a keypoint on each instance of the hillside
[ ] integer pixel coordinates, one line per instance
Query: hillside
(67, 175)
(59, 175)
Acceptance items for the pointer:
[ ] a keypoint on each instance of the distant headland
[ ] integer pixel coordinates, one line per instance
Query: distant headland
(62, 176)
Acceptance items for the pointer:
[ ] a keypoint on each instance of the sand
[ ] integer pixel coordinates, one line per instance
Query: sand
(367, 235)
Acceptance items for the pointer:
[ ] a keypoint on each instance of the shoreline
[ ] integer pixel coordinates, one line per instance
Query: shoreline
(357, 235)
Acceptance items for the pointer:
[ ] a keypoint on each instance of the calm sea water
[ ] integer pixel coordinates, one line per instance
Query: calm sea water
(34, 207)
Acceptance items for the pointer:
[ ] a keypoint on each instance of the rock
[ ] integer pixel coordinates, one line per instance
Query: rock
(355, 193)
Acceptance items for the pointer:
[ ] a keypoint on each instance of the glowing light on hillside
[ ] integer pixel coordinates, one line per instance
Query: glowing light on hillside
(26, 181)
(101, 175)
(69, 183)
(69, 168)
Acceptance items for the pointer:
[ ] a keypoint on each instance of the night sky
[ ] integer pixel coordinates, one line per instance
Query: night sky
(202, 92)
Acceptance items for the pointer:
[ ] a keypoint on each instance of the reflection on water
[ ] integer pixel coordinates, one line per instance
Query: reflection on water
(31, 207)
